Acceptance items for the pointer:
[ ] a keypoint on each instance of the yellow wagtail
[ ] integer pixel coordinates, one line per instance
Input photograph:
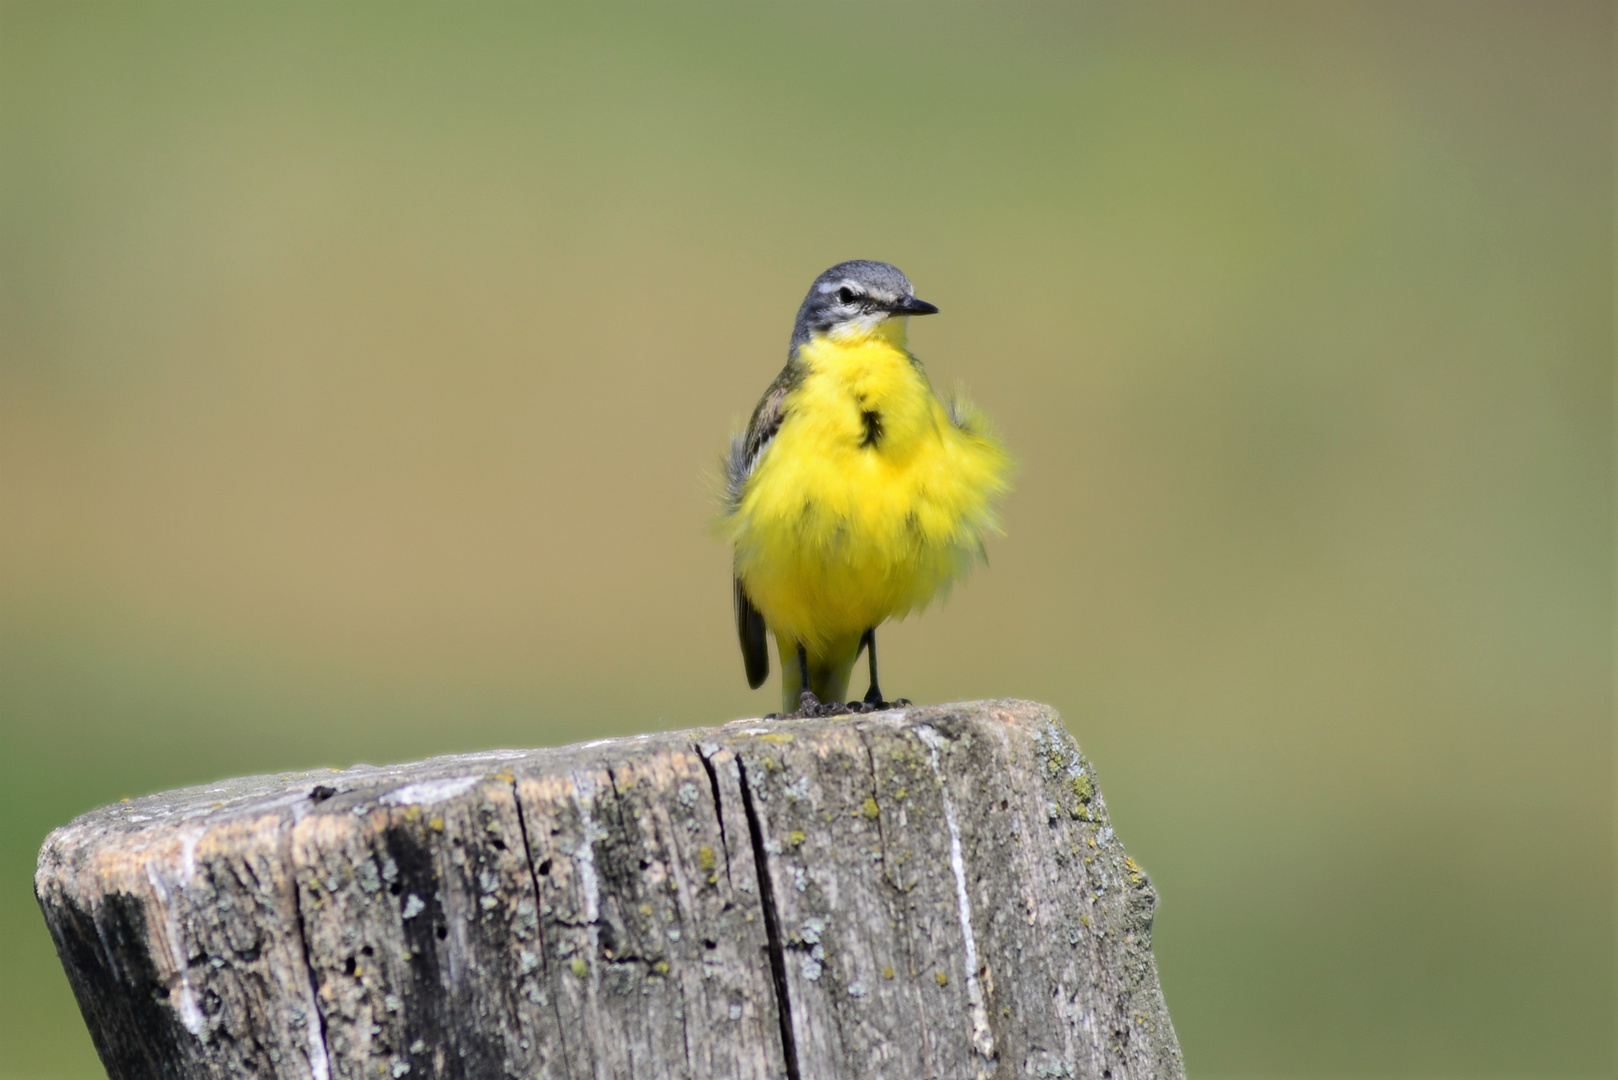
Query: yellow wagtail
(855, 495)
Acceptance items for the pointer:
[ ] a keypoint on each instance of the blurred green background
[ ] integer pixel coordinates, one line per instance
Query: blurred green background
(361, 369)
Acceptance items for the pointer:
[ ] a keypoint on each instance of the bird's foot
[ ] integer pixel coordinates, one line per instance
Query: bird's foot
(874, 703)
(870, 704)
(810, 707)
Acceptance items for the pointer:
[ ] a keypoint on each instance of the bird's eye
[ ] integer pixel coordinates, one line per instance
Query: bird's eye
(845, 295)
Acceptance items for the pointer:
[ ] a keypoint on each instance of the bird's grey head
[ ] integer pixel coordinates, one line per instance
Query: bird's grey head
(856, 295)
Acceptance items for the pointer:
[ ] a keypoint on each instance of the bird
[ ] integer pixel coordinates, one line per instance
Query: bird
(855, 494)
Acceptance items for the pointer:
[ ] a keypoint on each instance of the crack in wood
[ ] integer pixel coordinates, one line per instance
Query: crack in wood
(321, 1067)
(649, 962)
(539, 927)
(718, 808)
(772, 926)
(901, 899)
(982, 1034)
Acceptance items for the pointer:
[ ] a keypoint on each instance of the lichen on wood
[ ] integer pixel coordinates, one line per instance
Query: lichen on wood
(926, 892)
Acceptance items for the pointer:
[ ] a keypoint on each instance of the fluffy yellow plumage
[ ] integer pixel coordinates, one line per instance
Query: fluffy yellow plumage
(857, 495)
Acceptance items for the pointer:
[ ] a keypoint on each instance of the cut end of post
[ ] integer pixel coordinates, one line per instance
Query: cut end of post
(818, 897)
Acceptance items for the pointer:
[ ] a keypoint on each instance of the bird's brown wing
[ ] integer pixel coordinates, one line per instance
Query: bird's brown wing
(750, 630)
(748, 447)
(745, 451)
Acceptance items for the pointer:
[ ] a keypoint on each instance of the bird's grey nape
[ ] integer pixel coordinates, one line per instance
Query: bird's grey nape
(848, 291)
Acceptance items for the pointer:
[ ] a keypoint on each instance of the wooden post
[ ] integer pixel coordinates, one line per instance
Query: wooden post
(927, 892)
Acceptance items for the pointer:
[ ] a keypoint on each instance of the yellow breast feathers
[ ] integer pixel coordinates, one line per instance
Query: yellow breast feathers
(869, 499)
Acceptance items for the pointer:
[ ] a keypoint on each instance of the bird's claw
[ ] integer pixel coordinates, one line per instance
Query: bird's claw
(811, 707)
(878, 705)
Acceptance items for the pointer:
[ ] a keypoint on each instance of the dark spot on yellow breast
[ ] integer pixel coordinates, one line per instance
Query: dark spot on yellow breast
(873, 427)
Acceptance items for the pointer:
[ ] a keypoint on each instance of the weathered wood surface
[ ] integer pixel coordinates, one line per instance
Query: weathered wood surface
(928, 892)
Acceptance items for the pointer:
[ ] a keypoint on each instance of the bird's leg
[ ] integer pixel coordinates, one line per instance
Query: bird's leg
(873, 697)
(808, 704)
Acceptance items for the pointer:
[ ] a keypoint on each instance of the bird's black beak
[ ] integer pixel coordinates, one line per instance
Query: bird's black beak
(909, 305)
